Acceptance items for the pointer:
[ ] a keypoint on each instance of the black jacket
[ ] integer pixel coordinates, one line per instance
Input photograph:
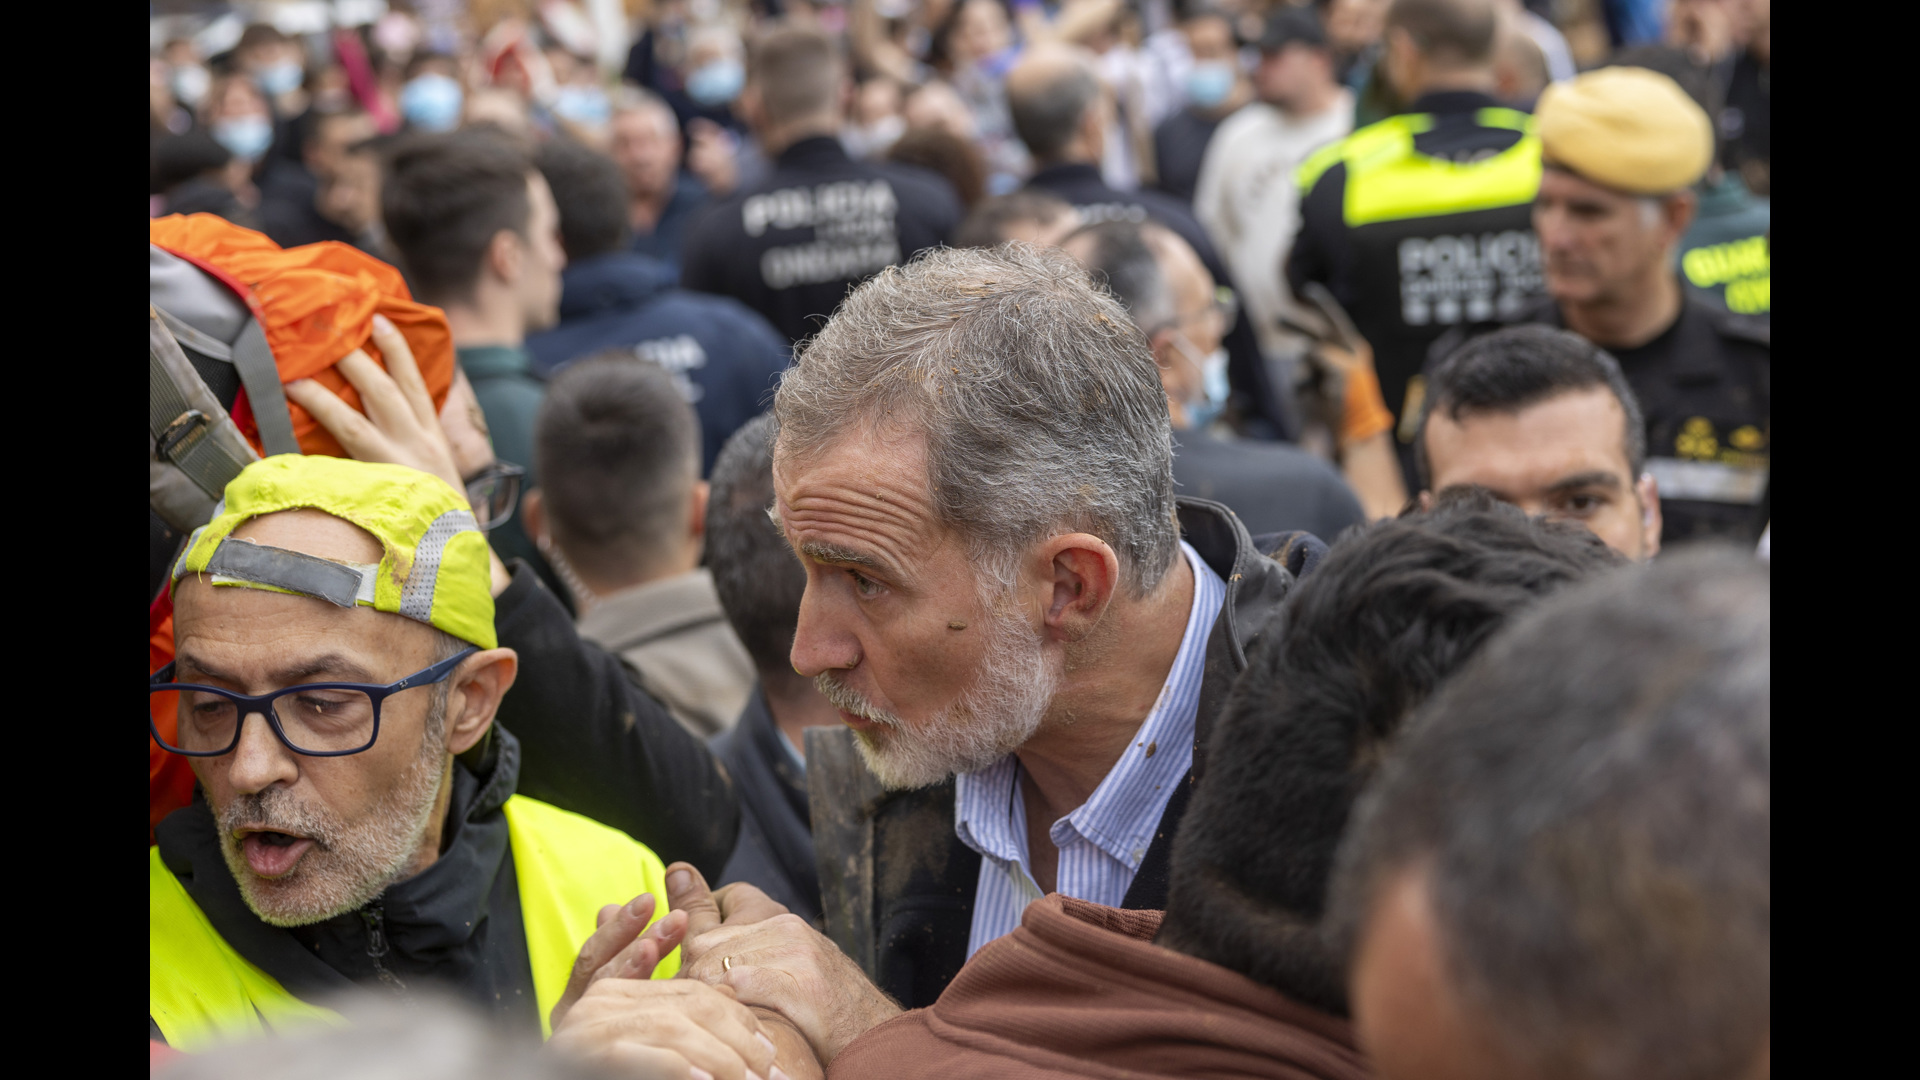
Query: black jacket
(1470, 253)
(1083, 186)
(792, 245)
(593, 742)
(724, 357)
(1274, 487)
(897, 883)
(775, 849)
(454, 926)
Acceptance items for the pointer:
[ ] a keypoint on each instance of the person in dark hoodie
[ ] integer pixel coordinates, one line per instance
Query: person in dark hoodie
(722, 355)
(1238, 976)
(366, 829)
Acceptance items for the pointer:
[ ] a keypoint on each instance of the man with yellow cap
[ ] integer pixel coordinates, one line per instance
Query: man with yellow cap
(336, 680)
(1622, 148)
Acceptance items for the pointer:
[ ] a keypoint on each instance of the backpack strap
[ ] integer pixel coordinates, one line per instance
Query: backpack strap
(261, 376)
(192, 435)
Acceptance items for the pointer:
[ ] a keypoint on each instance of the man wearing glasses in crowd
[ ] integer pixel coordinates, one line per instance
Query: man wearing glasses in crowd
(336, 682)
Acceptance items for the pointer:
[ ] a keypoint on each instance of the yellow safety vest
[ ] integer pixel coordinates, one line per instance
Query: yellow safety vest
(203, 992)
(1388, 180)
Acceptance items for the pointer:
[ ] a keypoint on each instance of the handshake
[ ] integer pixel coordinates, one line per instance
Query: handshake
(760, 993)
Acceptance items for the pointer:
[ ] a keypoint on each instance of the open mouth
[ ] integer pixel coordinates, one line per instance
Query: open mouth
(273, 854)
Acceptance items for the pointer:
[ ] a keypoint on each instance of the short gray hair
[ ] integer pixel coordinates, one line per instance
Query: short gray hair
(1591, 799)
(1038, 396)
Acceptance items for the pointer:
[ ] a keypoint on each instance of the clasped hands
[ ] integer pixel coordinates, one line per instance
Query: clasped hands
(760, 994)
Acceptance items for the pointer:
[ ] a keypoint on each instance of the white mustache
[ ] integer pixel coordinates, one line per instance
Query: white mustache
(846, 699)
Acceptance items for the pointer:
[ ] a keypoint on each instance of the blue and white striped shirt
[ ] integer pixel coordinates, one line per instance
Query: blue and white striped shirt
(1101, 843)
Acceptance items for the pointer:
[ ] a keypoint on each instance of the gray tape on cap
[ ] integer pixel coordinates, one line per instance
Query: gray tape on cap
(244, 560)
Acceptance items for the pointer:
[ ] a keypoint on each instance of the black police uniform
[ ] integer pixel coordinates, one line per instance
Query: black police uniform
(792, 245)
(1081, 185)
(1704, 386)
(1420, 222)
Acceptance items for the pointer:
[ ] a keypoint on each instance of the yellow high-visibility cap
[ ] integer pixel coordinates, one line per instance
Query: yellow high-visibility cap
(1626, 128)
(434, 568)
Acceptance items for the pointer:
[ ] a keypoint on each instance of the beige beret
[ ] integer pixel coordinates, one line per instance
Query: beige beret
(1626, 128)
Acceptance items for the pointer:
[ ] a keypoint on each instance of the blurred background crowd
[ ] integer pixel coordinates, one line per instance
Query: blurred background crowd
(280, 115)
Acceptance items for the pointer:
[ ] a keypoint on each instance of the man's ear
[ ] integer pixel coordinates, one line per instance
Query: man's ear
(1648, 489)
(1678, 210)
(697, 511)
(1083, 574)
(533, 515)
(474, 693)
(504, 253)
(749, 106)
(1093, 127)
(1426, 500)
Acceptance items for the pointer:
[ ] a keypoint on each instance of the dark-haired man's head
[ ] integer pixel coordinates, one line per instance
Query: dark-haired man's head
(591, 196)
(620, 500)
(1545, 420)
(1390, 614)
(1565, 870)
(1031, 216)
(1440, 45)
(478, 233)
(797, 85)
(1059, 106)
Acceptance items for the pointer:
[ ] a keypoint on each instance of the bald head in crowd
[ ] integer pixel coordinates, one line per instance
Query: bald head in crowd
(1058, 104)
(1160, 279)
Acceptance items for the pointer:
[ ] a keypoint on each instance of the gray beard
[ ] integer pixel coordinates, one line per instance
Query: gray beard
(351, 862)
(992, 718)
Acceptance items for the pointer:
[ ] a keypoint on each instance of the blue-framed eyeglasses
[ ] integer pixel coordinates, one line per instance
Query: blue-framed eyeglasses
(327, 719)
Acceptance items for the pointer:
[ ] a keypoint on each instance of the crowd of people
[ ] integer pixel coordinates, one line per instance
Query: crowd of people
(1000, 538)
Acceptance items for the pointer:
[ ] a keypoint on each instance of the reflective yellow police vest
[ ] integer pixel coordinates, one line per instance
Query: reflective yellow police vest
(203, 993)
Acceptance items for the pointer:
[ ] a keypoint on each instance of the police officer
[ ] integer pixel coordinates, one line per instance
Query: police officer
(723, 356)
(1062, 112)
(791, 245)
(1421, 221)
(1623, 148)
(1727, 252)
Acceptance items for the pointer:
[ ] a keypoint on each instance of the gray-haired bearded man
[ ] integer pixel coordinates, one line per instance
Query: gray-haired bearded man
(1027, 632)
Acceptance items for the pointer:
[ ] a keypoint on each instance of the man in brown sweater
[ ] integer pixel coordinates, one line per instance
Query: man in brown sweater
(1239, 978)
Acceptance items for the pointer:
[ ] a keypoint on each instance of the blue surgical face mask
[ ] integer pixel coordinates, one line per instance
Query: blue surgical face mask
(246, 136)
(716, 82)
(1205, 406)
(1209, 82)
(432, 103)
(280, 77)
(583, 105)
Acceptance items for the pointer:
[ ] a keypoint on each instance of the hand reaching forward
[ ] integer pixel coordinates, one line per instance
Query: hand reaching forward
(739, 940)
(614, 1012)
